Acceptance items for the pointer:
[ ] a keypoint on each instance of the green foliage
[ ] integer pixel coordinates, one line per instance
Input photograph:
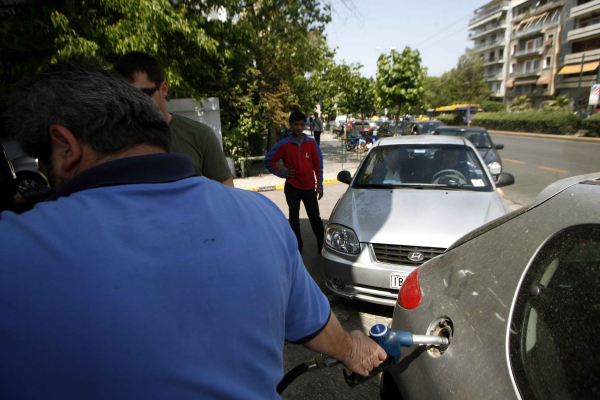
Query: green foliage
(558, 123)
(401, 81)
(493, 106)
(520, 104)
(559, 103)
(437, 92)
(451, 119)
(592, 125)
(362, 100)
(465, 83)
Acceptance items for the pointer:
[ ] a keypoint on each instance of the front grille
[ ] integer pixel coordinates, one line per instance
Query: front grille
(394, 254)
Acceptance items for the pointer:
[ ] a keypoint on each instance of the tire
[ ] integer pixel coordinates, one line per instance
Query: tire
(349, 146)
(361, 147)
(28, 180)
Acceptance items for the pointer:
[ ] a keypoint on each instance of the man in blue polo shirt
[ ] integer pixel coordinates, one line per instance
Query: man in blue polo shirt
(120, 286)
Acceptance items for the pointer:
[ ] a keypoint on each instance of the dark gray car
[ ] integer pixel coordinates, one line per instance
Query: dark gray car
(421, 127)
(518, 298)
(481, 140)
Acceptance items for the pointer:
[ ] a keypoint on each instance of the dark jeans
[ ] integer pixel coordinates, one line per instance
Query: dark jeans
(318, 137)
(293, 197)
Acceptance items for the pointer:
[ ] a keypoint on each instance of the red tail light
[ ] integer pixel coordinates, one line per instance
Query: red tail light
(409, 297)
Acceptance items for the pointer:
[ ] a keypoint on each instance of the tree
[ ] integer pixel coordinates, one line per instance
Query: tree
(559, 103)
(362, 100)
(521, 103)
(401, 81)
(465, 82)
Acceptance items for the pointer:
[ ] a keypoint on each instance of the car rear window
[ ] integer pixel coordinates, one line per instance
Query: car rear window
(553, 345)
(479, 139)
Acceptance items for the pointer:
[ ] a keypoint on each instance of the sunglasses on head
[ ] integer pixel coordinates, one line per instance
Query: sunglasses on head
(150, 91)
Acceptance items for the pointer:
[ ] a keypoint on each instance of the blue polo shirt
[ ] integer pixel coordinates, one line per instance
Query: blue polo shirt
(138, 279)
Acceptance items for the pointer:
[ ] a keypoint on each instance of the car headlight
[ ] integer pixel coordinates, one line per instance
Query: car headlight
(495, 168)
(342, 239)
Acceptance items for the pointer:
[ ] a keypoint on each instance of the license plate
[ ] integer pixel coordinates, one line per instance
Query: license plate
(396, 281)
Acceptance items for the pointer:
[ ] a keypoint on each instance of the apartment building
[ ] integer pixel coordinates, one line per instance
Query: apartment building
(580, 51)
(534, 49)
(489, 31)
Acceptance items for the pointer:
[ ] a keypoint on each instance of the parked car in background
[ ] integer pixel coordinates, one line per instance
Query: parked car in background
(518, 299)
(376, 125)
(387, 129)
(358, 127)
(411, 198)
(482, 141)
(419, 117)
(420, 127)
(283, 132)
(28, 173)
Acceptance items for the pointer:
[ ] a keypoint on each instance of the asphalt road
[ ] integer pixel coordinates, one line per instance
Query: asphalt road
(536, 163)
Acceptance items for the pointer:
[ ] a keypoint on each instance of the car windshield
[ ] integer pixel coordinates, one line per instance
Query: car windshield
(478, 138)
(428, 127)
(426, 166)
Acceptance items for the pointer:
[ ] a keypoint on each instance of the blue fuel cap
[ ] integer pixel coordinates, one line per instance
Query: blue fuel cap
(378, 330)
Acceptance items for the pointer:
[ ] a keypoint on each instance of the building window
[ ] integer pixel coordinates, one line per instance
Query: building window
(513, 67)
(500, 53)
(550, 39)
(547, 62)
(514, 49)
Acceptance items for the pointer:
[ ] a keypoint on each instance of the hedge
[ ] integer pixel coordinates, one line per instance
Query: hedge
(592, 125)
(451, 119)
(558, 123)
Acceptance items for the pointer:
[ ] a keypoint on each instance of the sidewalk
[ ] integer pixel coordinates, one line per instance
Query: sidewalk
(262, 180)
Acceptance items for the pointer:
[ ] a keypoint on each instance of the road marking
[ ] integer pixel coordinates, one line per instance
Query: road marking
(515, 161)
(555, 170)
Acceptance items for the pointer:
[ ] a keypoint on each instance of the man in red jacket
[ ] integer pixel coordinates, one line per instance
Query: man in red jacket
(303, 162)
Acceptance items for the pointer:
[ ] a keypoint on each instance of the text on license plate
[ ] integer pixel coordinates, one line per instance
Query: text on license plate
(396, 281)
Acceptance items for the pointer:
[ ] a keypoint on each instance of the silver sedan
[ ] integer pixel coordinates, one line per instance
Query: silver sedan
(411, 198)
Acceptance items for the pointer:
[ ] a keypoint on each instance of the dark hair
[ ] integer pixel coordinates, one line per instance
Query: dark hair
(136, 61)
(98, 106)
(297, 116)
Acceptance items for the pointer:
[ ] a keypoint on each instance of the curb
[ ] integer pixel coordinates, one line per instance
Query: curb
(280, 187)
(547, 136)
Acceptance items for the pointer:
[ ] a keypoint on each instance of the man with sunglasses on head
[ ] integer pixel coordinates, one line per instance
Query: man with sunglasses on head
(188, 136)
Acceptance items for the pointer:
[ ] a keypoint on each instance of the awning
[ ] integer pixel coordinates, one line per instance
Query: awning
(576, 68)
(544, 80)
(526, 82)
(509, 83)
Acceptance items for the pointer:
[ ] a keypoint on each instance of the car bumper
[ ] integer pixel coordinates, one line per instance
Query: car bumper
(361, 276)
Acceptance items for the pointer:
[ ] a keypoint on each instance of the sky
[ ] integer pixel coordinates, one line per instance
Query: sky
(437, 28)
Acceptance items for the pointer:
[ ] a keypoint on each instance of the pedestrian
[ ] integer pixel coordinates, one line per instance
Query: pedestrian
(189, 137)
(317, 128)
(303, 162)
(137, 278)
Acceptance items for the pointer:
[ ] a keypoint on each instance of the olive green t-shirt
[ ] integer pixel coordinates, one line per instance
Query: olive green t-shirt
(199, 142)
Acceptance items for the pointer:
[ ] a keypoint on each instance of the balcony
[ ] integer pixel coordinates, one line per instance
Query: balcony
(490, 45)
(536, 51)
(583, 33)
(577, 58)
(525, 72)
(535, 11)
(488, 28)
(585, 9)
(481, 14)
(533, 29)
(493, 77)
(495, 60)
(573, 82)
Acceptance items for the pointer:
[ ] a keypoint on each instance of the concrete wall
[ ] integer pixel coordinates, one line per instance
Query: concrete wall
(206, 111)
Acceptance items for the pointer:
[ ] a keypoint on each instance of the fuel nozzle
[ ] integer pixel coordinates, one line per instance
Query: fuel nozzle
(392, 342)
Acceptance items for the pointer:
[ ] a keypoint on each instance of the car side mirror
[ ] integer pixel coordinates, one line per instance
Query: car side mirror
(505, 179)
(344, 177)
(499, 146)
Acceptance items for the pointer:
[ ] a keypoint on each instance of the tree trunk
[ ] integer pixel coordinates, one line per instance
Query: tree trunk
(397, 120)
(271, 139)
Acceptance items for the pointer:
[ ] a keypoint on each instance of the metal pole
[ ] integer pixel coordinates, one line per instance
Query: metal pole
(580, 76)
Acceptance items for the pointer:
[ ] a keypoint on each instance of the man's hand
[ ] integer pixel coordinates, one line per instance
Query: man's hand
(320, 193)
(289, 173)
(364, 355)
(354, 350)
